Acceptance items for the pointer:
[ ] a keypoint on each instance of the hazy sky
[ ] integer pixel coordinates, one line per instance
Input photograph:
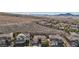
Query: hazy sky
(50, 13)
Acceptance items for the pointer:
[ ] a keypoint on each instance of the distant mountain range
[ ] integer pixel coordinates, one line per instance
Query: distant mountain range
(66, 14)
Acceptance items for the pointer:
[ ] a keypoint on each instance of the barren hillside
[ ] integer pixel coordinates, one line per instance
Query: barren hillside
(8, 19)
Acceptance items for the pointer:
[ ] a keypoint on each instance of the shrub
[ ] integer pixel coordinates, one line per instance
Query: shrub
(45, 43)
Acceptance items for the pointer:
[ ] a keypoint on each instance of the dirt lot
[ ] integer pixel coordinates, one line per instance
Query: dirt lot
(14, 20)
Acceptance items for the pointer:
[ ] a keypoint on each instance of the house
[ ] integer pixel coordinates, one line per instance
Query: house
(42, 37)
(56, 40)
(74, 27)
(37, 39)
(5, 39)
(74, 39)
(42, 22)
(22, 39)
(74, 36)
(78, 26)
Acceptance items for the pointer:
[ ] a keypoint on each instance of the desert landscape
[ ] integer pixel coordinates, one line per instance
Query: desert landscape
(19, 30)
